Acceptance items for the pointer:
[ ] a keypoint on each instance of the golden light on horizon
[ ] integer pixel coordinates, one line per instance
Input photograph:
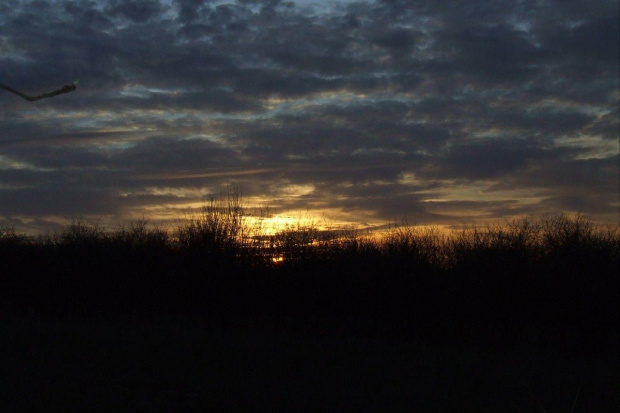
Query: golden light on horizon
(272, 225)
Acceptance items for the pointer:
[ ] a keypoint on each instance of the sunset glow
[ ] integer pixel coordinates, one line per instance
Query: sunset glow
(334, 114)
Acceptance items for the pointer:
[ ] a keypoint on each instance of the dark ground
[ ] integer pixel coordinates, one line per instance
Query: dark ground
(246, 345)
(67, 365)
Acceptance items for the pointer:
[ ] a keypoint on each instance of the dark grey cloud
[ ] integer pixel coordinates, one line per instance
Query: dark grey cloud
(165, 154)
(488, 159)
(439, 110)
(138, 11)
(571, 176)
(60, 201)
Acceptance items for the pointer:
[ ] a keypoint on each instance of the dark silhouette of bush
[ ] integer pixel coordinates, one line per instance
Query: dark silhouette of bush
(11, 240)
(217, 229)
(554, 276)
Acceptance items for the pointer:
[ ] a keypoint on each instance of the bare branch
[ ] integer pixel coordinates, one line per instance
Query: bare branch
(64, 89)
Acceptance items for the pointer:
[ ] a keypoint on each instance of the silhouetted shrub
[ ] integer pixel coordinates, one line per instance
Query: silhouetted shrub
(137, 236)
(11, 238)
(555, 274)
(80, 234)
(217, 230)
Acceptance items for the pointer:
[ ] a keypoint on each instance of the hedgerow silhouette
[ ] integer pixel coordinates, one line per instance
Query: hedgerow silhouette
(556, 275)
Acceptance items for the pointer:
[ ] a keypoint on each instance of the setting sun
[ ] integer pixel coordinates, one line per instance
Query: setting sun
(277, 260)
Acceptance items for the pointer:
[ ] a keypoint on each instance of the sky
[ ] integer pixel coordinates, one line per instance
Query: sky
(355, 112)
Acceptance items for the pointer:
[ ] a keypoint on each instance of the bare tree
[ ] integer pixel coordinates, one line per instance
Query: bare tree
(64, 89)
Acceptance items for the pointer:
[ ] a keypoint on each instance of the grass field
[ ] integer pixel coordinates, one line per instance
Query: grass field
(522, 317)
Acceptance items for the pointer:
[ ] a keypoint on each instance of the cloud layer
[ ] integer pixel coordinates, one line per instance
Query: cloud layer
(367, 111)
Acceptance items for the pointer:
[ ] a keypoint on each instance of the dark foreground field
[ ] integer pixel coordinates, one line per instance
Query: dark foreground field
(519, 318)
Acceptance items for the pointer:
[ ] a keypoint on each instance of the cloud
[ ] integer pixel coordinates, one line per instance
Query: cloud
(482, 102)
(138, 11)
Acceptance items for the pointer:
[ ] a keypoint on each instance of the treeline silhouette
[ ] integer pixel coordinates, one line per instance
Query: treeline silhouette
(553, 278)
